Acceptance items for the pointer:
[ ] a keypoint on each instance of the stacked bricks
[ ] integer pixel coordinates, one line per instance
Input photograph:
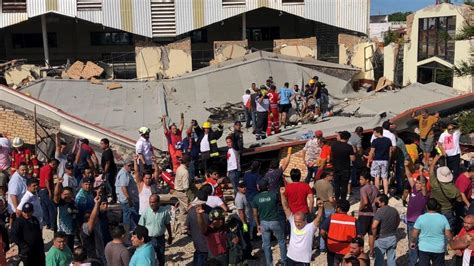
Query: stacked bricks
(16, 125)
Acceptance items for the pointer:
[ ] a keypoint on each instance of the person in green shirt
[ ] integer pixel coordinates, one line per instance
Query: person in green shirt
(59, 254)
(265, 212)
(444, 190)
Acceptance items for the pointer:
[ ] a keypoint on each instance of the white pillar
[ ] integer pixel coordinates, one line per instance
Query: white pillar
(244, 26)
(44, 31)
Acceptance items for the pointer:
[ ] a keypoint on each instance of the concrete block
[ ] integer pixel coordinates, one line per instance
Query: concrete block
(75, 70)
(225, 50)
(114, 86)
(91, 70)
(305, 47)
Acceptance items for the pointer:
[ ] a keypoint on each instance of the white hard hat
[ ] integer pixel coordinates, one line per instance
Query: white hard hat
(144, 130)
(17, 142)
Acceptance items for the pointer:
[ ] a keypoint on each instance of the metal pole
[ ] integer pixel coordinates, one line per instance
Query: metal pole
(244, 26)
(44, 31)
(36, 129)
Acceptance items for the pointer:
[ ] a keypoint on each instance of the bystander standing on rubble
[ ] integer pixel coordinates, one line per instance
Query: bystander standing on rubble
(311, 152)
(173, 135)
(342, 154)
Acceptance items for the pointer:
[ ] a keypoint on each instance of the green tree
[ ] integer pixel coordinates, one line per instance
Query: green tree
(398, 16)
(466, 67)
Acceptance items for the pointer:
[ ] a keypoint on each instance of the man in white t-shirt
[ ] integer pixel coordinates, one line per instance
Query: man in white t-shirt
(248, 108)
(449, 144)
(32, 197)
(144, 149)
(302, 233)
(233, 163)
(386, 133)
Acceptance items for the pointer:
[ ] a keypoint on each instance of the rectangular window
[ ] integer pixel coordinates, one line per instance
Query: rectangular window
(111, 38)
(436, 38)
(292, 1)
(89, 5)
(33, 40)
(263, 34)
(233, 2)
(13, 6)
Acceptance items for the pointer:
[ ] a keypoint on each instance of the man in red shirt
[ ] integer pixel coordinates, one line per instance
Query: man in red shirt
(299, 194)
(464, 184)
(173, 135)
(46, 184)
(273, 115)
(468, 228)
(22, 154)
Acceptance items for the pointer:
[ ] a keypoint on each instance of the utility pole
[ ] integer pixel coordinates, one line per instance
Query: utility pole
(44, 31)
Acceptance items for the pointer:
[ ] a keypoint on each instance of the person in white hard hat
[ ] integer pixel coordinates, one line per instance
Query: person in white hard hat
(143, 148)
(22, 154)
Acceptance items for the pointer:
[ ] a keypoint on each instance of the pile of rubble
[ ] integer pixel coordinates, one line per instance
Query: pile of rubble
(17, 73)
(229, 112)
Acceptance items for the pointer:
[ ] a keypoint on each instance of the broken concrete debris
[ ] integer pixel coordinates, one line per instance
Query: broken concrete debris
(95, 81)
(383, 83)
(91, 70)
(20, 75)
(114, 86)
(229, 112)
(75, 70)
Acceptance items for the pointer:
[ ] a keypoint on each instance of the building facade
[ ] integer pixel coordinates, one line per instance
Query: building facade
(432, 50)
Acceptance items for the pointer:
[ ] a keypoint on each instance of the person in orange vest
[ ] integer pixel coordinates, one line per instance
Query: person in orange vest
(338, 231)
(273, 114)
(22, 154)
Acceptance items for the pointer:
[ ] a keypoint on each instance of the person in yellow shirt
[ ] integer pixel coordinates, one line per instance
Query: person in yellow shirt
(425, 125)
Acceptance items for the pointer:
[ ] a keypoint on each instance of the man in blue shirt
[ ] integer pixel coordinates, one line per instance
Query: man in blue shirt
(144, 254)
(286, 96)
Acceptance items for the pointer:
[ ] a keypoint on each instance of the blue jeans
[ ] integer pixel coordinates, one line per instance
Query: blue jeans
(159, 244)
(451, 219)
(311, 172)
(412, 253)
(269, 227)
(49, 211)
(248, 118)
(322, 243)
(200, 258)
(130, 215)
(386, 245)
(254, 121)
(234, 176)
(354, 176)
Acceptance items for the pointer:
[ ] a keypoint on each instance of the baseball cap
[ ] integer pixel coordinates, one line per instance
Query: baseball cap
(69, 165)
(359, 241)
(27, 207)
(89, 180)
(318, 133)
(242, 183)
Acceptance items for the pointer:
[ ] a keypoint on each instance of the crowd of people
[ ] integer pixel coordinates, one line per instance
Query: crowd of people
(302, 209)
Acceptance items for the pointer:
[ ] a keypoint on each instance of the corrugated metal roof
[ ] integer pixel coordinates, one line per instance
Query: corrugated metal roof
(193, 14)
(142, 17)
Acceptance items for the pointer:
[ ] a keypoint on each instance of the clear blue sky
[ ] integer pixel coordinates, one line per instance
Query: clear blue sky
(382, 7)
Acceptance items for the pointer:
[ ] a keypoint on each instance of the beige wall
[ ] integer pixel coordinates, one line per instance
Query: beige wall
(225, 50)
(389, 58)
(305, 47)
(463, 49)
(169, 61)
(360, 56)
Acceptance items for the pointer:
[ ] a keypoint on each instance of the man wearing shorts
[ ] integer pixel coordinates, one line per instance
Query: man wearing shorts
(425, 125)
(379, 156)
(286, 95)
(367, 207)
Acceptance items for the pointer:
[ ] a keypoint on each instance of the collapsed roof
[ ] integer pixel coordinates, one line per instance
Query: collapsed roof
(85, 109)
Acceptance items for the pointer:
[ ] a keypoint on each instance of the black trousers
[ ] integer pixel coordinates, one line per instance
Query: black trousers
(341, 180)
(430, 258)
(453, 163)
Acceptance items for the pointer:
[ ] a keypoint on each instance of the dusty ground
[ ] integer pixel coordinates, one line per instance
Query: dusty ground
(181, 251)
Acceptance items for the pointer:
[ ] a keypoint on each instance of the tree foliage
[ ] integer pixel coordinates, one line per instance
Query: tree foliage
(398, 16)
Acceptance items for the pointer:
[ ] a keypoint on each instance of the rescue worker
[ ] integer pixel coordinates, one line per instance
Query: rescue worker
(22, 154)
(338, 231)
(144, 149)
(207, 139)
(273, 114)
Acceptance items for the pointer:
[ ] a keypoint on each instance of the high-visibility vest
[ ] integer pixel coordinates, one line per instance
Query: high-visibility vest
(342, 229)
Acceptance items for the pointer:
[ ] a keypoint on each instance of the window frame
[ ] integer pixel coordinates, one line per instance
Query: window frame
(94, 41)
(14, 6)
